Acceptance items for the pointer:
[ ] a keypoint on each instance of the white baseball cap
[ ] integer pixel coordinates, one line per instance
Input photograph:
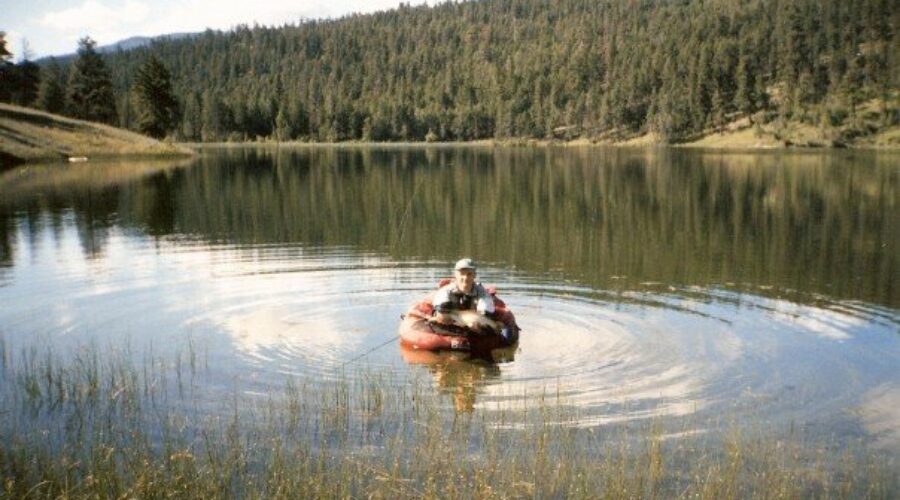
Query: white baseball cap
(464, 264)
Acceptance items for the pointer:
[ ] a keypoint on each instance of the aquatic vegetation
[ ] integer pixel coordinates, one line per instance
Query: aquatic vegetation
(114, 423)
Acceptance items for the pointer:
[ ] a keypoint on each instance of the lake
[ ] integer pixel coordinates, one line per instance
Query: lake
(677, 286)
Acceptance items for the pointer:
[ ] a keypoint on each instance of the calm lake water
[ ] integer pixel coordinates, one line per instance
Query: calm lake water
(650, 284)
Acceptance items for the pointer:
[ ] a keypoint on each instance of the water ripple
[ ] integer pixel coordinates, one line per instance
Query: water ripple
(644, 351)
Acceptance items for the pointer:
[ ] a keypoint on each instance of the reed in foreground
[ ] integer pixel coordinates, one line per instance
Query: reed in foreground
(121, 425)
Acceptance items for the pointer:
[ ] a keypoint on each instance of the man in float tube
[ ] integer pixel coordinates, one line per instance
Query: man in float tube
(463, 294)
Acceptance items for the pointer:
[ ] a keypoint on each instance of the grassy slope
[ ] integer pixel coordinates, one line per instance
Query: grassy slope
(874, 127)
(741, 134)
(28, 135)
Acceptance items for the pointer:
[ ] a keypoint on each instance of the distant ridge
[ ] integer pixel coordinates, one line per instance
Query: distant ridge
(141, 41)
(131, 43)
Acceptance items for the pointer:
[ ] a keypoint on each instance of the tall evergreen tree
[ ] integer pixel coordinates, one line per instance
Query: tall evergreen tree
(191, 123)
(745, 98)
(19, 82)
(6, 70)
(26, 80)
(155, 105)
(5, 55)
(284, 131)
(51, 93)
(213, 121)
(89, 94)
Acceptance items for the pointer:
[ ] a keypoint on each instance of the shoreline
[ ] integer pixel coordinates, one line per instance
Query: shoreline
(29, 136)
(544, 143)
(763, 131)
(740, 135)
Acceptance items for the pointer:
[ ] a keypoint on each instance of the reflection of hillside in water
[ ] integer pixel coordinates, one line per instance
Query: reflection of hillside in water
(823, 223)
(91, 193)
(59, 179)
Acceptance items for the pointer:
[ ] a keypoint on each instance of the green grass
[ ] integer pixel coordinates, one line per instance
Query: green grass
(120, 425)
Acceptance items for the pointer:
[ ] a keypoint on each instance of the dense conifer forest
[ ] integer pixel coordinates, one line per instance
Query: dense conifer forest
(529, 68)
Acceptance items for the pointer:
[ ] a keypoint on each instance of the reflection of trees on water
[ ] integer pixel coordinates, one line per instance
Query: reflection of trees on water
(824, 223)
(7, 233)
(91, 212)
(91, 197)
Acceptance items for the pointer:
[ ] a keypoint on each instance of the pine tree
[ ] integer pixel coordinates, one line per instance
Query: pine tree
(298, 118)
(6, 70)
(5, 55)
(283, 129)
(212, 122)
(191, 122)
(745, 98)
(717, 110)
(89, 94)
(51, 94)
(155, 105)
(124, 105)
(18, 82)
(26, 77)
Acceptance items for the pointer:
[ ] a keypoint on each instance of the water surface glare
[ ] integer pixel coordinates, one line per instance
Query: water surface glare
(649, 284)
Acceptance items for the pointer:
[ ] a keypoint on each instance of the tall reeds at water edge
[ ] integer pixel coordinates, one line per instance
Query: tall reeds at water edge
(113, 424)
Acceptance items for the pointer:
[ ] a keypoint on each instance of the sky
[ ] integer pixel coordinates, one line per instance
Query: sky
(53, 27)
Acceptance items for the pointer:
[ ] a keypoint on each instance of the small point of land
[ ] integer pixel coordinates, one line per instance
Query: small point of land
(29, 136)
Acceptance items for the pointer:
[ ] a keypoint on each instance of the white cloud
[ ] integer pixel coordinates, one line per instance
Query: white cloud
(133, 17)
(826, 323)
(880, 413)
(96, 16)
(197, 15)
(109, 21)
(104, 22)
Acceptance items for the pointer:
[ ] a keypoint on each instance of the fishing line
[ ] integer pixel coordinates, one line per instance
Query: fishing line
(405, 215)
(370, 351)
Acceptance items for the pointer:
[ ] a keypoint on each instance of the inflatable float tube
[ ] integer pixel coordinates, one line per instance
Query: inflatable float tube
(417, 331)
(415, 356)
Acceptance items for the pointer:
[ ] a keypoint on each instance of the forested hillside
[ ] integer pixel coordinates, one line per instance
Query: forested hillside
(533, 68)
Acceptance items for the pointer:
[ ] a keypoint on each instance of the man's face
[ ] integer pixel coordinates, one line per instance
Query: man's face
(465, 278)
